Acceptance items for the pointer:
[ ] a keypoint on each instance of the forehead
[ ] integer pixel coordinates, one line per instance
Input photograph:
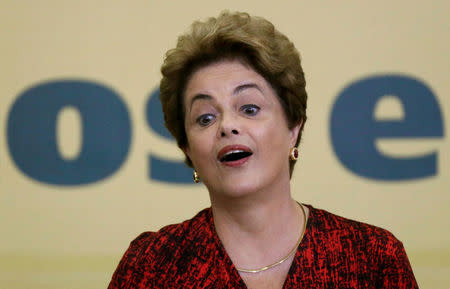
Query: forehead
(222, 77)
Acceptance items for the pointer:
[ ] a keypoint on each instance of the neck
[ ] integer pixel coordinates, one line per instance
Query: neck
(258, 228)
(251, 214)
(253, 211)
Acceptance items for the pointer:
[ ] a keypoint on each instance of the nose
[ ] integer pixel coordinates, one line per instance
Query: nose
(229, 126)
(233, 131)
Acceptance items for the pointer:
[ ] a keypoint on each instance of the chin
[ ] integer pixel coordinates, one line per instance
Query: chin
(237, 186)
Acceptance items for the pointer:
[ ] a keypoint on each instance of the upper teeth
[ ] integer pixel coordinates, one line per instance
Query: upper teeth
(233, 152)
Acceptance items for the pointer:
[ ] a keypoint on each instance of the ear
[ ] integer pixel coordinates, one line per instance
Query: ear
(294, 133)
(186, 151)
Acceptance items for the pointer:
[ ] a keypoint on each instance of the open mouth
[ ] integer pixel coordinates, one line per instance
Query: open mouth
(234, 155)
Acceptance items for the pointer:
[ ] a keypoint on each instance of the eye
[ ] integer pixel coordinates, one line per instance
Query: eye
(250, 109)
(205, 119)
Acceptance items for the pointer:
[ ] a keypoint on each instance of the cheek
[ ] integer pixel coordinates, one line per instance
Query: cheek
(273, 143)
(200, 145)
(273, 133)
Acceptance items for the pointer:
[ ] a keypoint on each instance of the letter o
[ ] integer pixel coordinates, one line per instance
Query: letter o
(31, 132)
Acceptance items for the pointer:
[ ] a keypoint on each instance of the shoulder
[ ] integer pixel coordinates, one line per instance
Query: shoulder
(331, 223)
(174, 237)
(357, 236)
(360, 251)
(153, 255)
(376, 252)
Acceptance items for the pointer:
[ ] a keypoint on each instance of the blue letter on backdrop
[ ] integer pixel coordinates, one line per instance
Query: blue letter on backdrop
(162, 169)
(354, 129)
(32, 132)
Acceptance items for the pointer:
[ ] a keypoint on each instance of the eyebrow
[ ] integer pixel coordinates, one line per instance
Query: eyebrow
(245, 86)
(199, 96)
(236, 91)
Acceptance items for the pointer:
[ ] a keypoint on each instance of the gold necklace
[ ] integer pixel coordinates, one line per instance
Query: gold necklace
(284, 258)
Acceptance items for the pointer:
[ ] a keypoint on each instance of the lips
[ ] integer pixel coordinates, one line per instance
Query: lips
(234, 155)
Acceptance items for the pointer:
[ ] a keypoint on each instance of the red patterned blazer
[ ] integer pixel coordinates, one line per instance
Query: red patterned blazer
(335, 253)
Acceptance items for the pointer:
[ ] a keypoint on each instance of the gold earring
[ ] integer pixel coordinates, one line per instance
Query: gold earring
(196, 177)
(293, 154)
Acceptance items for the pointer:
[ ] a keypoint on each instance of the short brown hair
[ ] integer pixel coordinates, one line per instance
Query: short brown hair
(253, 41)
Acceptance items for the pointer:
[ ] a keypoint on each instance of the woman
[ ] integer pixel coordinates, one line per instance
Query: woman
(233, 95)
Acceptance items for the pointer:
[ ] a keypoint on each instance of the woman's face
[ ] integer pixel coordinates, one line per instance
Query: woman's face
(238, 136)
